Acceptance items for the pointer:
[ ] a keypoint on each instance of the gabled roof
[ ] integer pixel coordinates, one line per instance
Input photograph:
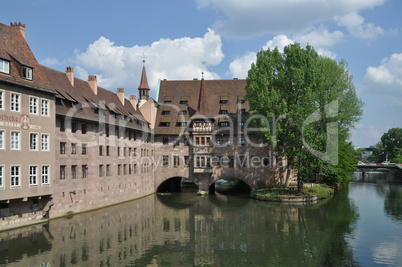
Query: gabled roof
(82, 95)
(15, 49)
(214, 91)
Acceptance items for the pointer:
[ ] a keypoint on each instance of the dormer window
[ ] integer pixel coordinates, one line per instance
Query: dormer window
(4, 66)
(27, 73)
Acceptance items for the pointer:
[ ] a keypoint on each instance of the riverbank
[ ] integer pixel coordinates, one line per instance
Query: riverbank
(279, 194)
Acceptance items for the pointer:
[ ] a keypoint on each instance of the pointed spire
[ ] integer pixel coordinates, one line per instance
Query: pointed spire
(202, 108)
(144, 79)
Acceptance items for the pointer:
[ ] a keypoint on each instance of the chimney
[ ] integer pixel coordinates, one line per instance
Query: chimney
(93, 83)
(70, 74)
(20, 27)
(120, 95)
(133, 101)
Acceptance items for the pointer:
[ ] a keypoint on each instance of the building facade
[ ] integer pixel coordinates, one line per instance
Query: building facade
(27, 138)
(68, 145)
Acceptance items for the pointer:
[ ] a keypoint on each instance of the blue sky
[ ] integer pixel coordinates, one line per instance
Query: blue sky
(109, 39)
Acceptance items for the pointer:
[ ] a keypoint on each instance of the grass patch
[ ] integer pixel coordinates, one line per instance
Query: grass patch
(275, 193)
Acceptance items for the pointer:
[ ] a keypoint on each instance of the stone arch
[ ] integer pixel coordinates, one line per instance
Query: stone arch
(174, 184)
(233, 184)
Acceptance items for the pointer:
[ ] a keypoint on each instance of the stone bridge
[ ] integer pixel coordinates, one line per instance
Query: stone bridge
(392, 169)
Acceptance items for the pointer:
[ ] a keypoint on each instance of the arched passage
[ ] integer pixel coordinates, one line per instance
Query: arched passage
(231, 186)
(177, 185)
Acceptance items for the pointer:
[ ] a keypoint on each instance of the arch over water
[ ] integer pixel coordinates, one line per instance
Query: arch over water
(231, 186)
(177, 184)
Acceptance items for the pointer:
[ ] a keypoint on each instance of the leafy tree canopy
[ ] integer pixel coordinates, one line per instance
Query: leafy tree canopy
(392, 142)
(310, 104)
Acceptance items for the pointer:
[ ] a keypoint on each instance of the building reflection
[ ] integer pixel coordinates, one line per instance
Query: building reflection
(177, 230)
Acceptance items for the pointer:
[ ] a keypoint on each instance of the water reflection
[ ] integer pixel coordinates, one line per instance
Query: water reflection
(186, 230)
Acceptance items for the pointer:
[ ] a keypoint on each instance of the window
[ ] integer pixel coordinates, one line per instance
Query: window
(165, 112)
(1, 99)
(223, 101)
(108, 170)
(100, 151)
(73, 148)
(100, 170)
(183, 102)
(183, 112)
(45, 174)
(73, 127)
(107, 150)
(45, 142)
(15, 102)
(62, 172)
(45, 107)
(62, 148)
(181, 124)
(185, 142)
(124, 151)
(33, 175)
(26, 72)
(84, 170)
(243, 111)
(73, 171)
(33, 142)
(164, 124)
(219, 140)
(223, 111)
(125, 169)
(176, 141)
(15, 176)
(118, 169)
(223, 123)
(165, 140)
(15, 140)
(241, 140)
(84, 149)
(176, 161)
(118, 151)
(241, 101)
(167, 102)
(83, 128)
(4, 66)
(33, 105)
(165, 161)
(62, 127)
(1, 176)
(186, 161)
(2, 139)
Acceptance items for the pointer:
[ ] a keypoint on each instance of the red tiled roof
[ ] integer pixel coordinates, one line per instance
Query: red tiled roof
(81, 93)
(14, 48)
(215, 90)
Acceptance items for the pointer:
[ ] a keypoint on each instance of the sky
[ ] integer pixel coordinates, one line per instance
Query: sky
(111, 39)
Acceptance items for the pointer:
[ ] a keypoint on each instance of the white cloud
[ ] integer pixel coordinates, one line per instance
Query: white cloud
(119, 66)
(258, 17)
(320, 37)
(355, 25)
(385, 79)
(239, 67)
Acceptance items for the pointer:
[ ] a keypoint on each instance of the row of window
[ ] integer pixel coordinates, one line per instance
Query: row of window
(176, 161)
(184, 124)
(15, 175)
(221, 101)
(104, 170)
(34, 142)
(16, 103)
(5, 68)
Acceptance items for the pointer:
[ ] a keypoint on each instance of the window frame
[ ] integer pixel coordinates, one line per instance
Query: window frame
(2, 96)
(15, 179)
(33, 105)
(15, 100)
(3, 69)
(2, 169)
(45, 107)
(18, 141)
(45, 142)
(33, 177)
(62, 149)
(33, 143)
(2, 139)
(45, 175)
(27, 73)
(62, 172)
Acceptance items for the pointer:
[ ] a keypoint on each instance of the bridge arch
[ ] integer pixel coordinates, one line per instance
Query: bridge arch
(176, 184)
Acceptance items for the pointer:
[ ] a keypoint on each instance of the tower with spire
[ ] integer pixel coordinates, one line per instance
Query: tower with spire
(143, 89)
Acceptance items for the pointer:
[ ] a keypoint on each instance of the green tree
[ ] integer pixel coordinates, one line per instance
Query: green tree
(317, 99)
(378, 148)
(392, 141)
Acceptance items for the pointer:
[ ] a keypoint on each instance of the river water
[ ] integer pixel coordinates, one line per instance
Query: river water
(360, 226)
